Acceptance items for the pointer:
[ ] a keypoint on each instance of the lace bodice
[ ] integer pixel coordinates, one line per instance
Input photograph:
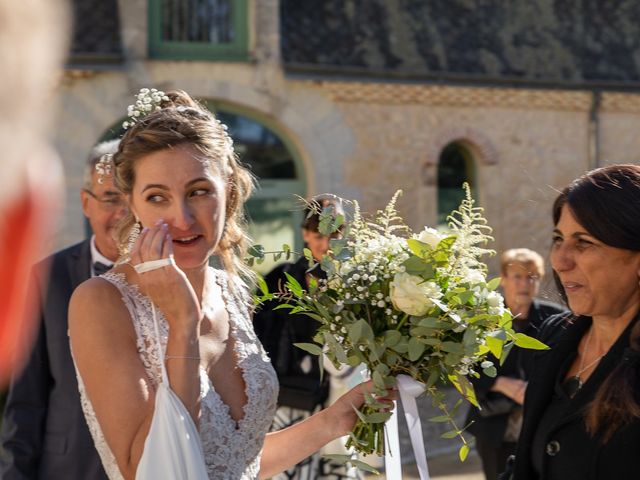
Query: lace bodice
(232, 450)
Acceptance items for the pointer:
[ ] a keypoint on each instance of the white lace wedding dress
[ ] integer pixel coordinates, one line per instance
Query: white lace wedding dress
(232, 450)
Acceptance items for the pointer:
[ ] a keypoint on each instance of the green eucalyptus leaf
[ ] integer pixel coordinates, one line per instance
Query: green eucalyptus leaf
(365, 467)
(262, 284)
(490, 371)
(416, 349)
(455, 408)
(335, 347)
(327, 265)
(418, 248)
(391, 338)
(452, 359)
(378, 379)
(464, 451)
(465, 387)
(440, 419)
(294, 286)
(470, 337)
(450, 434)
(378, 417)
(525, 341)
(446, 243)
(337, 457)
(433, 322)
(452, 347)
(360, 415)
(402, 346)
(466, 296)
(505, 352)
(493, 283)
(434, 375)
(495, 346)
(256, 251)
(312, 348)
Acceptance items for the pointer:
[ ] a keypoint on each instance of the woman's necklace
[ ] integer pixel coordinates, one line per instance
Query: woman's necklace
(575, 383)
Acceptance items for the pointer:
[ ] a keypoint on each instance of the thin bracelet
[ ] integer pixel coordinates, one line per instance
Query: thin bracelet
(168, 357)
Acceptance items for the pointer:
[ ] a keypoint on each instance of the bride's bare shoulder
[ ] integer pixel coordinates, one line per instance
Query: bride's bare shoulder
(96, 306)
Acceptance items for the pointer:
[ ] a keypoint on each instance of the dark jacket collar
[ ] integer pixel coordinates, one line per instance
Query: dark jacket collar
(80, 263)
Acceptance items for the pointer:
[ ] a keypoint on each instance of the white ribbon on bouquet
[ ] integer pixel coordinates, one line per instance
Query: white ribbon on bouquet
(409, 389)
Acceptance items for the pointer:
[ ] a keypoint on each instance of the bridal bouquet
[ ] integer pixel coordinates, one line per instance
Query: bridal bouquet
(407, 303)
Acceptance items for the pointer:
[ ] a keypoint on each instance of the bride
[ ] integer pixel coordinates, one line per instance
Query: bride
(185, 190)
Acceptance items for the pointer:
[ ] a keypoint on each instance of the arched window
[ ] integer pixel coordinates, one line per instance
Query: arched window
(455, 166)
(274, 212)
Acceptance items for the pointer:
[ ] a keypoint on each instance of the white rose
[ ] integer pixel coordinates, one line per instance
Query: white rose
(430, 236)
(495, 303)
(412, 295)
(494, 299)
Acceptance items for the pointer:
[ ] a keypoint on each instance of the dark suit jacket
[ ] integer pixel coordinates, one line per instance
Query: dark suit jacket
(517, 365)
(615, 460)
(44, 434)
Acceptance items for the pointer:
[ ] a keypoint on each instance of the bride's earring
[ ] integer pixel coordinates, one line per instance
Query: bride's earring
(134, 233)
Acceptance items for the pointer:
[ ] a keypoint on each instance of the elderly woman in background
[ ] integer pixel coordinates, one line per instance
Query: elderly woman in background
(582, 407)
(497, 424)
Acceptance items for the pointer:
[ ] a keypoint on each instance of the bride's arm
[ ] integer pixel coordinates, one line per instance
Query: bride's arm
(287, 447)
(103, 342)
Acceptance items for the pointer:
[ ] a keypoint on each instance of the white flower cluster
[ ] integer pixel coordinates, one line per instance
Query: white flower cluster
(147, 101)
(364, 277)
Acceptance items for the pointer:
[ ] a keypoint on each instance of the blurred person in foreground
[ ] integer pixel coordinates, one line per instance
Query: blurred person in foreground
(582, 407)
(44, 434)
(496, 426)
(32, 45)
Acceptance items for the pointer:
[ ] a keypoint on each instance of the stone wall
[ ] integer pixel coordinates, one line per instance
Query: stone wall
(365, 140)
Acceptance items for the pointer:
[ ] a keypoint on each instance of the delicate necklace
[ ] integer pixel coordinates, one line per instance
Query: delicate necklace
(575, 383)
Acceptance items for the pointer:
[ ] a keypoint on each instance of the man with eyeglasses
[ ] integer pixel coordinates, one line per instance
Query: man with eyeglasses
(44, 433)
(497, 424)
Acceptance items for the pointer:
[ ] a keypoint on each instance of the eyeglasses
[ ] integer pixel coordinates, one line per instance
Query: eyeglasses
(527, 278)
(110, 201)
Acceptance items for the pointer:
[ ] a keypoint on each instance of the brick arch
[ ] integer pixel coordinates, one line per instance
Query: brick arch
(478, 144)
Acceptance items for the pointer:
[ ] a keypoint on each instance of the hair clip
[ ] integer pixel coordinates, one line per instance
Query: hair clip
(104, 166)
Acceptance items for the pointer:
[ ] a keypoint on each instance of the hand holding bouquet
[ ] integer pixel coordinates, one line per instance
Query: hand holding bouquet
(407, 303)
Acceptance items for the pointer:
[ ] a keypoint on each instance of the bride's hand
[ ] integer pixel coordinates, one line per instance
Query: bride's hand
(168, 286)
(342, 412)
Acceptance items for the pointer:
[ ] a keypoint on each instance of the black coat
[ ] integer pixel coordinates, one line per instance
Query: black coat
(44, 433)
(517, 365)
(301, 385)
(574, 449)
